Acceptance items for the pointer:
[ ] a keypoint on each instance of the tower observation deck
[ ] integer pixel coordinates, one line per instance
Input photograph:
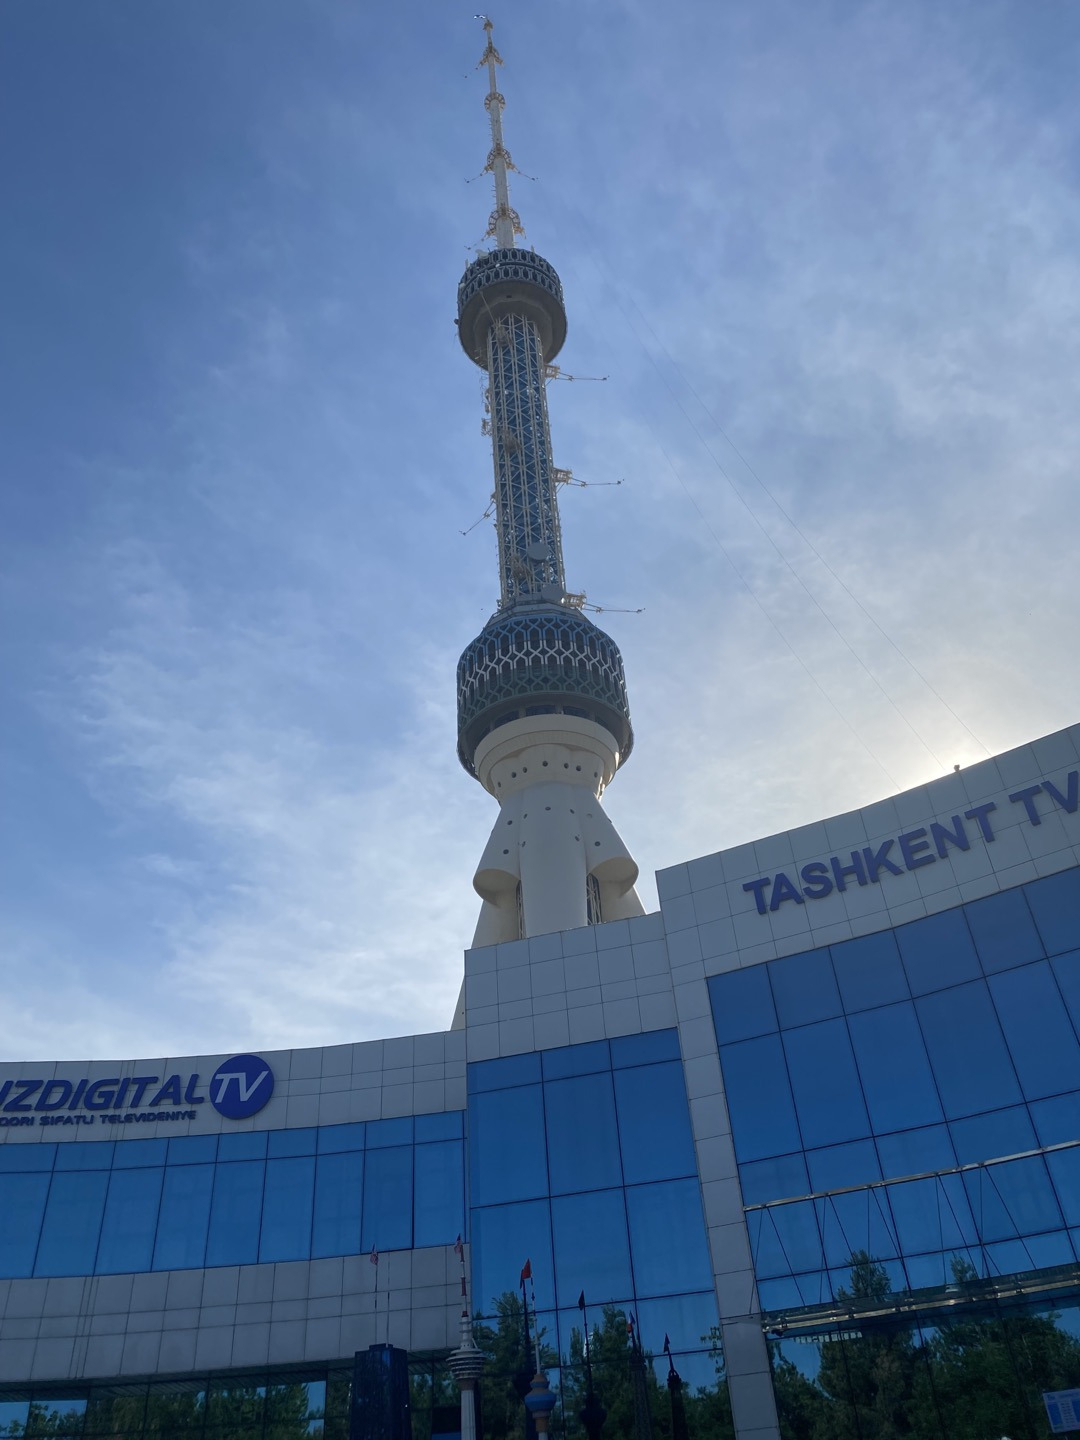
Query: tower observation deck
(543, 718)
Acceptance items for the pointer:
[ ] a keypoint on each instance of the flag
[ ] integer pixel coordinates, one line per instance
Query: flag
(459, 1248)
(630, 1326)
(374, 1256)
(526, 1272)
(667, 1346)
(581, 1302)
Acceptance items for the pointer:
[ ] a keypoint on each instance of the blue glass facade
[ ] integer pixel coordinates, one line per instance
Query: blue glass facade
(103, 1208)
(581, 1160)
(912, 1096)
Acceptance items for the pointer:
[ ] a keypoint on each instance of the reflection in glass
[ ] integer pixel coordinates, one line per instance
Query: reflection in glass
(339, 1184)
(804, 988)
(759, 1098)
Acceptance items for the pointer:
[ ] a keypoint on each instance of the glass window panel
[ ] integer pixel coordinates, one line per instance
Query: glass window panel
(1041, 1251)
(242, 1145)
(667, 1238)
(69, 1236)
(774, 1179)
(785, 1239)
(839, 1166)
(686, 1319)
(235, 1211)
(184, 1216)
(759, 1098)
(1037, 1030)
(58, 1415)
(236, 1404)
(1055, 903)
(576, 1060)
(967, 1051)
(135, 1154)
(381, 1134)
(601, 1270)
(645, 1049)
(582, 1137)
(97, 1155)
(22, 1205)
(193, 1149)
(1057, 1120)
(176, 1408)
(1003, 930)
(291, 1142)
(287, 1209)
(503, 1238)
(387, 1217)
(1066, 968)
(804, 988)
(984, 1137)
(858, 1221)
(784, 1293)
(824, 1081)
(24, 1158)
(13, 1414)
(507, 1159)
(931, 1214)
(924, 1271)
(498, 1074)
(339, 1195)
(1018, 1189)
(868, 971)
(843, 1279)
(335, 1138)
(896, 1076)
(916, 1152)
(440, 1193)
(654, 1123)
(742, 1004)
(937, 952)
(447, 1126)
(118, 1410)
(130, 1222)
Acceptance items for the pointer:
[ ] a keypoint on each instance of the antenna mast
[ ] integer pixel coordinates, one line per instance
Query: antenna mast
(504, 222)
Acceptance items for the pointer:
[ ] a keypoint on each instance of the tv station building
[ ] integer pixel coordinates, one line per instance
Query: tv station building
(807, 1137)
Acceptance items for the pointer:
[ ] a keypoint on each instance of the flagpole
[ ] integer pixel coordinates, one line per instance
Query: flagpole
(679, 1429)
(593, 1414)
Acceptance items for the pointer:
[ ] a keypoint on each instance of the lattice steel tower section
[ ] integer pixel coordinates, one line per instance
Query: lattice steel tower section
(543, 719)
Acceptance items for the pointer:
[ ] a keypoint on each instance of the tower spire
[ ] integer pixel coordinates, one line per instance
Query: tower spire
(543, 719)
(504, 222)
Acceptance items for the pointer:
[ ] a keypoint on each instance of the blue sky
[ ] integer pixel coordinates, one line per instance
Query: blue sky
(827, 255)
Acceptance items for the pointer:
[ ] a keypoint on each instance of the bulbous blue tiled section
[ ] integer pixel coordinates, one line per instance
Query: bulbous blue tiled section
(514, 281)
(539, 662)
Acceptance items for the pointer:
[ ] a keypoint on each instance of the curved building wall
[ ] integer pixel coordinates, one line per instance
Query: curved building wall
(833, 1082)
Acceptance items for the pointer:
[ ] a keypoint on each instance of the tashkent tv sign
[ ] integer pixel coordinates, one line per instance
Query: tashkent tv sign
(238, 1088)
(910, 851)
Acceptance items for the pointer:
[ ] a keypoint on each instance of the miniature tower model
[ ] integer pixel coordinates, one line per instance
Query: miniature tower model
(543, 719)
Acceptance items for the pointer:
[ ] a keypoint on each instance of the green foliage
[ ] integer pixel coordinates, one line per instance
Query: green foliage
(978, 1374)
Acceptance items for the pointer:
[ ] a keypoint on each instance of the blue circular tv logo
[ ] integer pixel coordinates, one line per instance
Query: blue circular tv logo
(241, 1086)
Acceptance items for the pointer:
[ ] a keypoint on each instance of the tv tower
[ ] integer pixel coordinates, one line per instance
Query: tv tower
(543, 719)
